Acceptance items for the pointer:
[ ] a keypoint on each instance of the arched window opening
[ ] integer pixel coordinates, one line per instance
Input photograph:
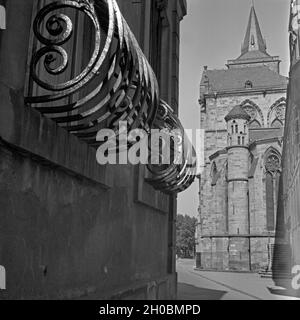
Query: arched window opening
(254, 124)
(239, 140)
(236, 128)
(277, 124)
(248, 84)
(270, 202)
(277, 111)
(214, 174)
(254, 111)
(273, 168)
(214, 169)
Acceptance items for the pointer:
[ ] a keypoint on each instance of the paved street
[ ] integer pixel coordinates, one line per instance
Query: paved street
(199, 285)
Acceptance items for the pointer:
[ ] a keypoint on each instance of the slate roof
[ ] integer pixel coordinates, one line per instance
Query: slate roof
(235, 79)
(237, 113)
(253, 38)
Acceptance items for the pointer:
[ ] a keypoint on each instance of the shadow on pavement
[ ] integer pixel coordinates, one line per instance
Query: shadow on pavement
(284, 292)
(189, 292)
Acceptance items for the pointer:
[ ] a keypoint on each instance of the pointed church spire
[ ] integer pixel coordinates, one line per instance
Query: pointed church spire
(254, 50)
(253, 40)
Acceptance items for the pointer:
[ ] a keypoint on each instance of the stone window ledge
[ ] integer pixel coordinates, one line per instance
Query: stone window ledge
(25, 130)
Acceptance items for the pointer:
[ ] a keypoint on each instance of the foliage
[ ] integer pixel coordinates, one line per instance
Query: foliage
(185, 235)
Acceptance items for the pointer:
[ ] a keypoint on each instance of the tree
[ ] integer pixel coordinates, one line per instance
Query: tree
(185, 235)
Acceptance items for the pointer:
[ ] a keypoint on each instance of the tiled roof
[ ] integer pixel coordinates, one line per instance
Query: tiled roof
(235, 79)
(237, 113)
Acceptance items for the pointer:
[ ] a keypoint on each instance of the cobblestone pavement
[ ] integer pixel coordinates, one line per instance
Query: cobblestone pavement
(202, 285)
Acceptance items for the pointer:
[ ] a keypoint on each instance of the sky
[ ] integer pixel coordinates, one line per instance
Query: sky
(212, 33)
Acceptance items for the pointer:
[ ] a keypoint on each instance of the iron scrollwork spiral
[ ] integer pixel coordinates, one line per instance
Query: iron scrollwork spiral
(180, 173)
(116, 85)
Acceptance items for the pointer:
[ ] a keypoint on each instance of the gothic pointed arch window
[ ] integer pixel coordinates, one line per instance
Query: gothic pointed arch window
(257, 117)
(254, 124)
(277, 123)
(273, 171)
(276, 114)
(214, 169)
(214, 174)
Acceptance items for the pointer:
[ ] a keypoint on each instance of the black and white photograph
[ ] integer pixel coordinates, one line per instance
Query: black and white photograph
(149, 151)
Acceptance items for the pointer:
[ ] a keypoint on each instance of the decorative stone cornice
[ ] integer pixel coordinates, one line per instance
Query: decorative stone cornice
(242, 92)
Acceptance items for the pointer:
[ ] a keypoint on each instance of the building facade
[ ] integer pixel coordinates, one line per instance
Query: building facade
(70, 228)
(287, 249)
(243, 115)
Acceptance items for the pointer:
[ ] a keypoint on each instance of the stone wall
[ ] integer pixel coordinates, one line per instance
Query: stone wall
(274, 66)
(216, 110)
(287, 254)
(69, 228)
(215, 240)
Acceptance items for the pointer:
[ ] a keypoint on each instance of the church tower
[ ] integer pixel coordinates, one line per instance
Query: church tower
(243, 115)
(254, 49)
(237, 175)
